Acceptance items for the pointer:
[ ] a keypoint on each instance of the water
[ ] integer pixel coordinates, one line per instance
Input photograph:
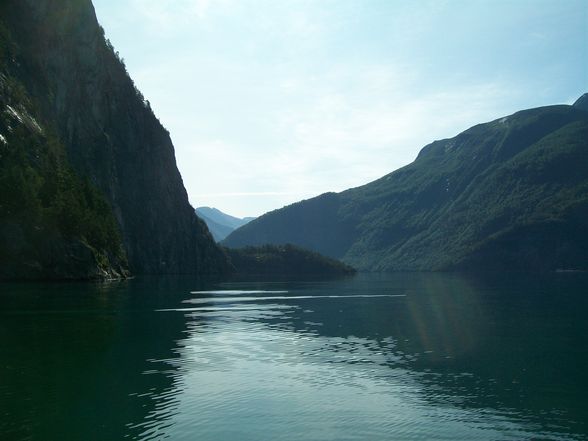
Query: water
(394, 357)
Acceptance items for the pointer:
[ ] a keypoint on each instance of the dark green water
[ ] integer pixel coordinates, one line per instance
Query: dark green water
(395, 357)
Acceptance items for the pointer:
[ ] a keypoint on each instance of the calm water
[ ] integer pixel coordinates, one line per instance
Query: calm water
(395, 357)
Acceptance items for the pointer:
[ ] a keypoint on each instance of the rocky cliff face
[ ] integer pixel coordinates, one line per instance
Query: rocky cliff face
(110, 133)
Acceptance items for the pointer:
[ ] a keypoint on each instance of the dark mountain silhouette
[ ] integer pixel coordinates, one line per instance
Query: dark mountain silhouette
(57, 67)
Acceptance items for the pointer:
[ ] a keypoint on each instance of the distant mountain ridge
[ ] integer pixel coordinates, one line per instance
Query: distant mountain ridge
(220, 224)
(511, 194)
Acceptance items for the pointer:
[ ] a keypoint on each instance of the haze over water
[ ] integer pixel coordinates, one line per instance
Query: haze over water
(378, 357)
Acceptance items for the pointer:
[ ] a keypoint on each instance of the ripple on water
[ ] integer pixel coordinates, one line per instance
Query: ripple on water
(258, 359)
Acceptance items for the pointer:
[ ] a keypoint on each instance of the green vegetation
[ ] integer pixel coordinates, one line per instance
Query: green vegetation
(510, 194)
(52, 222)
(285, 260)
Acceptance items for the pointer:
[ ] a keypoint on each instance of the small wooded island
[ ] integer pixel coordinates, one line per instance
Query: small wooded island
(285, 260)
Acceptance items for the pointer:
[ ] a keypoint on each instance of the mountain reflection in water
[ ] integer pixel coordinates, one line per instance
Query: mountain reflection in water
(402, 356)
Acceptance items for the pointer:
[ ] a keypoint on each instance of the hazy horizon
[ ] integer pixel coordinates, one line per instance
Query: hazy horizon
(269, 103)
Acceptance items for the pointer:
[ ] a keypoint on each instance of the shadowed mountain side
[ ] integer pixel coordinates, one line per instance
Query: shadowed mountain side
(582, 102)
(80, 86)
(314, 224)
(53, 224)
(508, 194)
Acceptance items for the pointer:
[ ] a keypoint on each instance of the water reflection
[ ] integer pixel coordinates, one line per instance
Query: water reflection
(72, 358)
(405, 356)
(413, 356)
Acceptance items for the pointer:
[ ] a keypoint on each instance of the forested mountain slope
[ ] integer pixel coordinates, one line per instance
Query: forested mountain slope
(511, 194)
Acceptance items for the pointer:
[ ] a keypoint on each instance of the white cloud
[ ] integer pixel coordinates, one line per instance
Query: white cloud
(308, 134)
(346, 138)
(269, 102)
(172, 15)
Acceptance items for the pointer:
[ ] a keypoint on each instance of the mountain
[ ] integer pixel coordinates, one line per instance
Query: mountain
(66, 87)
(220, 224)
(582, 102)
(52, 223)
(511, 194)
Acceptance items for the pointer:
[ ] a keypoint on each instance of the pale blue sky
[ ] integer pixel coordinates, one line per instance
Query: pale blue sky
(269, 102)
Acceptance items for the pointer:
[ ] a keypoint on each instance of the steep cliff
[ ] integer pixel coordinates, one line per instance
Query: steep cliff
(113, 139)
(511, 194)
(53, 224)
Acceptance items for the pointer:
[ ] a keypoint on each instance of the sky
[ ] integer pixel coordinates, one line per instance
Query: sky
(269, 102)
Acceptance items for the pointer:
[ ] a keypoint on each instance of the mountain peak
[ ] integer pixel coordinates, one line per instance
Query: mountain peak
(582, 102)
(220, 224)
